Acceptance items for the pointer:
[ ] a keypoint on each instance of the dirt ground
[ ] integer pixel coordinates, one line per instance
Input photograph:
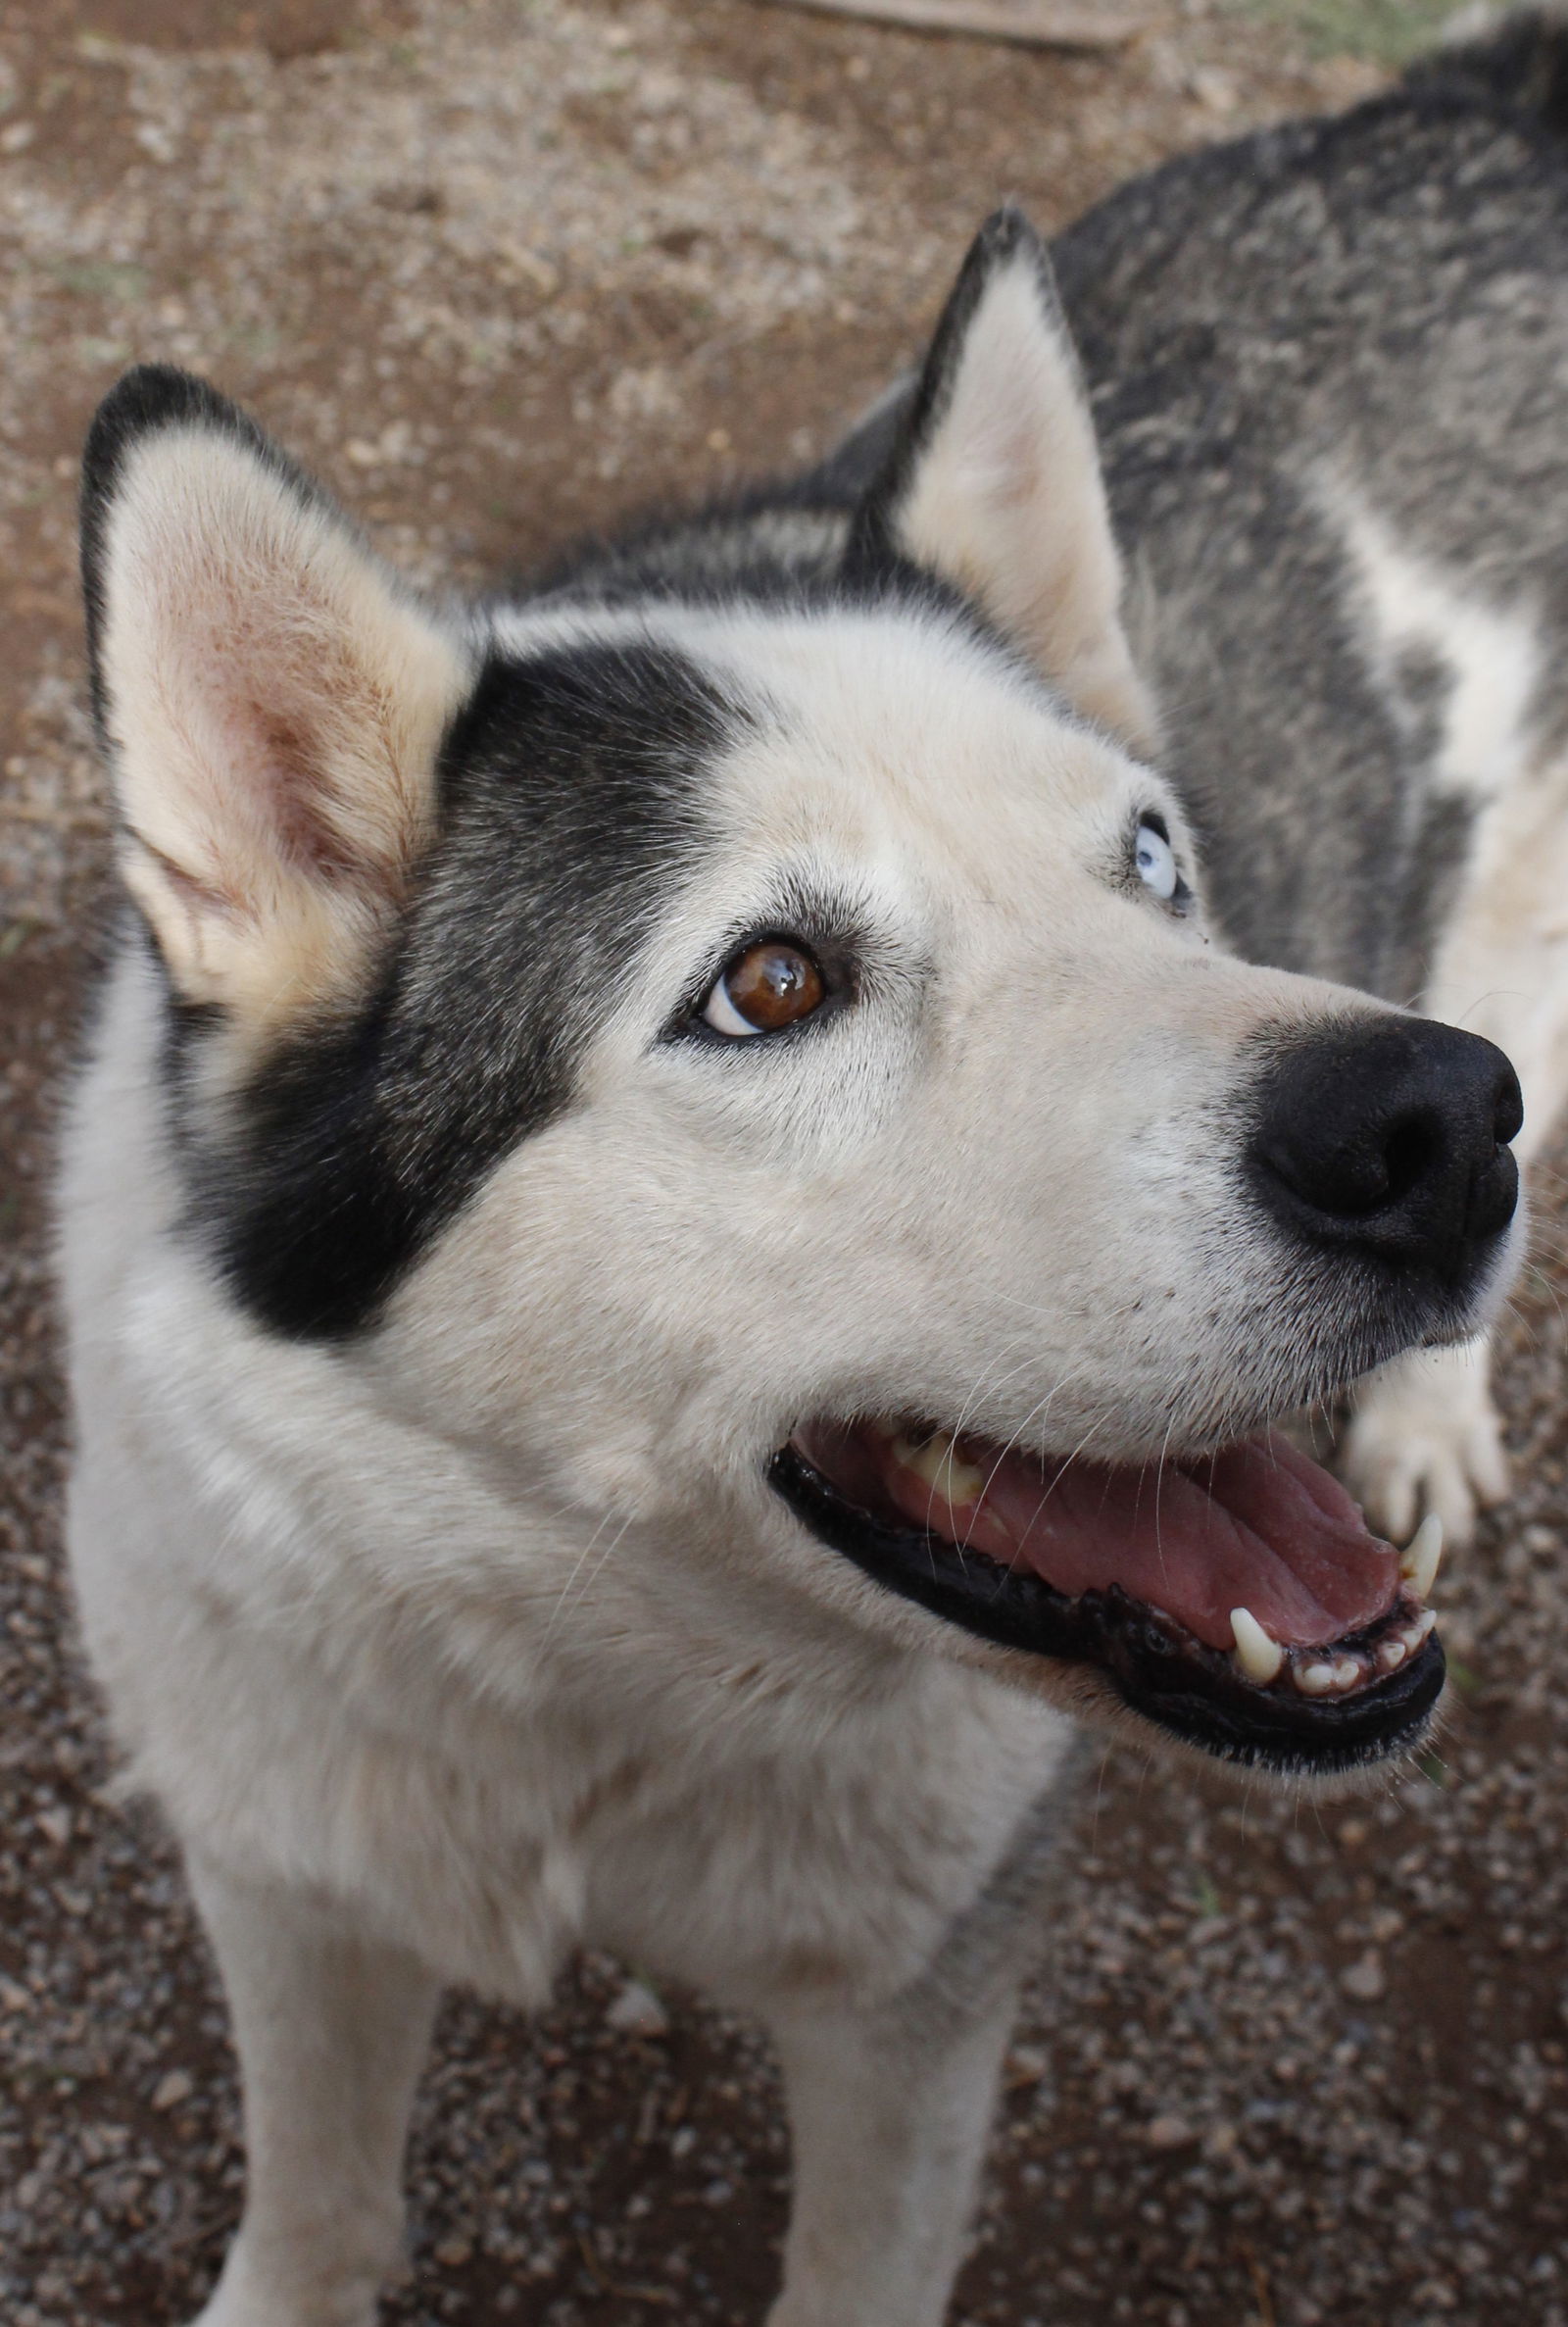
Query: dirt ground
(498, 268)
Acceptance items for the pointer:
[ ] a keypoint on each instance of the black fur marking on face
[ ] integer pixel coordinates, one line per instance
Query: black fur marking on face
(1156, 1668)
(788, 548)
(569, 805)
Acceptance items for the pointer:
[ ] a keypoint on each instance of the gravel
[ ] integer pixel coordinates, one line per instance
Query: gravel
(498, 270)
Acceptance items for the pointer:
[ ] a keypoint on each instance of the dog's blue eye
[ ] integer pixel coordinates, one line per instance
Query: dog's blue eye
(1155, 861)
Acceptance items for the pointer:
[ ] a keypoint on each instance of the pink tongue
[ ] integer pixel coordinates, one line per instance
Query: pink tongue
(1258, 1527)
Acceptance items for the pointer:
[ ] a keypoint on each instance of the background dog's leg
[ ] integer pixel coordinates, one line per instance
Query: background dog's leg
(889, 2116)
(1424, 1435)
(331, 2030)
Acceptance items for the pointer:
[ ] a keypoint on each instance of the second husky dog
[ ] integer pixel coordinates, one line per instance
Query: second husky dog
(1327, 370)
(678, 1240)
(1330, 368)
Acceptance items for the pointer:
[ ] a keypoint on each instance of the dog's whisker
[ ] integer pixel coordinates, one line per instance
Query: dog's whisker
(576, 1569)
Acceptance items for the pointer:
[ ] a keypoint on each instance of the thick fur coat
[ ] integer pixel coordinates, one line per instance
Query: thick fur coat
(624, 1118)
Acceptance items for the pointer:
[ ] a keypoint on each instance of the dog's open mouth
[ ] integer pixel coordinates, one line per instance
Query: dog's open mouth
(1238, 1600)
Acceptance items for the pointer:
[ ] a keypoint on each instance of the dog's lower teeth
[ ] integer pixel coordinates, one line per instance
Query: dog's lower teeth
(1329, 1679)
(1410, 1636)
(1314, 1680)
(954, 1484)
(1335, 1676)
(1257, 1656)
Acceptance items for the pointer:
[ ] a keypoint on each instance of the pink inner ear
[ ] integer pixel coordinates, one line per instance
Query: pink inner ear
(1005, 498)
(296, 786)
(1015, 425)
(278, 702)
(278, 723)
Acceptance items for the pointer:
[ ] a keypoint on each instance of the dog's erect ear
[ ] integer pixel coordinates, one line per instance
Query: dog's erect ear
(994, 481)
(271, 699)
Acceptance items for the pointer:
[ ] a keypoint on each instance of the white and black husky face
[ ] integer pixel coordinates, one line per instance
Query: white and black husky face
(733, 1037)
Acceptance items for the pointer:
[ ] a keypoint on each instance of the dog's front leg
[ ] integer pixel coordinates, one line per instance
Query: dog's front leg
(889, 2115)
(331, 2030)
(1424, 1435)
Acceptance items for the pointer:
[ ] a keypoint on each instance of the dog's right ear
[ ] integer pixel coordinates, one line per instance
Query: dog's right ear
(271, 702)
(993, 482)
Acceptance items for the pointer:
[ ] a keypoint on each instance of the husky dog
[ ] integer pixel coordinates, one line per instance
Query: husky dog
(681, 1241)
(1326, 367)
(1337, 449)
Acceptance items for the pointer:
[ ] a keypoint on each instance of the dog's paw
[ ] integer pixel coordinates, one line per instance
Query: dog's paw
(245, 2296)
(1424, 1436)
(234, 2306)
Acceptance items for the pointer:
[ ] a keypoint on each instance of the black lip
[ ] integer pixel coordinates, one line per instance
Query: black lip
(1156, 1668)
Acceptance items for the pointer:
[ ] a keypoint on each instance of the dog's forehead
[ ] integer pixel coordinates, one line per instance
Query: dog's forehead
(891, 730)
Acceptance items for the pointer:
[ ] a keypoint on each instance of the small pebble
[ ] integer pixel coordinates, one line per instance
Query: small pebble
(637, 2011)
(1365, 1980)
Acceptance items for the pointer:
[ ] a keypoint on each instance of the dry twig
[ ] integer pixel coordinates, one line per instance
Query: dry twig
(1033, 23)
(608, 2286)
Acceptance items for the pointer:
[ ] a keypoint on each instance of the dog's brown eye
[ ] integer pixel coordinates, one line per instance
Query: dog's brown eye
(772, 984)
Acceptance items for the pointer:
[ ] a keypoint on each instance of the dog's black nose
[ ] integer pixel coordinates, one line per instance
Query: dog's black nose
(1390, 1135)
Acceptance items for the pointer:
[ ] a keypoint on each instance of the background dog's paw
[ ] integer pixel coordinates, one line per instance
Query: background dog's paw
(1424, 1436)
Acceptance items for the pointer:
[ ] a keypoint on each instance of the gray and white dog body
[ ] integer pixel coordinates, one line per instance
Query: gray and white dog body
(681, 1242)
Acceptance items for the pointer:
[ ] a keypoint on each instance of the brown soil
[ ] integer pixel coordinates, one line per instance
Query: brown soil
(499, 269)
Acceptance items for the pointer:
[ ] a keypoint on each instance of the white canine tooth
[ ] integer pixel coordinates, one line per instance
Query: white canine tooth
(1346, 1673)
(1391, 1655)
(1316, 1680)
(938, 1462)
(1418, 1562)
(1258, 1657)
